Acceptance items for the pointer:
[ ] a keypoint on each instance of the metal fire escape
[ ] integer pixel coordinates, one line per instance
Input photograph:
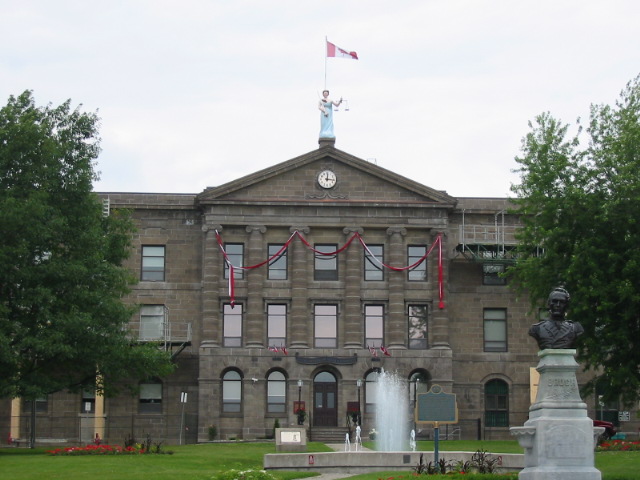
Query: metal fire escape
(171, 337)
(488, 243)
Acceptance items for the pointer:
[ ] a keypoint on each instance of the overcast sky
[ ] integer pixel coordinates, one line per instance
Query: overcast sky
(196, 93)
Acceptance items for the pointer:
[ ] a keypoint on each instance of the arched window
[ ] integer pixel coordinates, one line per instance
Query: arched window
(370, 381)
(150, 397)
(231, 392)
(496, 403)
(276, 392)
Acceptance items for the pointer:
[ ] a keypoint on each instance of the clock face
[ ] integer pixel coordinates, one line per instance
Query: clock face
(327, 179)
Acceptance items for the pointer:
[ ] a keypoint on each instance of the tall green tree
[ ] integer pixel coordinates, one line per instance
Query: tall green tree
(579, 196)
(62, 318)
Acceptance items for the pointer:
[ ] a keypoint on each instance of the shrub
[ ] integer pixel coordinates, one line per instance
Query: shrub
(244, 475)
(213, 432)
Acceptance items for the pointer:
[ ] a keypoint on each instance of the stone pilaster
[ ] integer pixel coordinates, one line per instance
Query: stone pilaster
(300, 321)
(255, 334)
(211, 327)
(352, 332)
(396, 329)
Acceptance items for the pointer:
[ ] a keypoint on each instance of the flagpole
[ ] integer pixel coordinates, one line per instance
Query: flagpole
(325, 62)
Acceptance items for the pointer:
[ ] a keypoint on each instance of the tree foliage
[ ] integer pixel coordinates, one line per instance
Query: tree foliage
(62, 319)
(580, 205)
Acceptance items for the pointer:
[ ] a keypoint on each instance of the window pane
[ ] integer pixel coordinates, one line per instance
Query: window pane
(326, 266)
(370, 391)
(374, 315)
(373, 263)
(496, 403)
(231, 392)
(153, 263)
(491, 274)
(495, 330)
(232, 325)
(276, 325)
(278, 266)
(151, 391)
(419, 272)
(418, 326)
(151, 322)
(326, 326)
(235, 254)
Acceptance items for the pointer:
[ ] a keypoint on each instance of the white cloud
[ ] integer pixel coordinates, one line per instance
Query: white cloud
(201, 92)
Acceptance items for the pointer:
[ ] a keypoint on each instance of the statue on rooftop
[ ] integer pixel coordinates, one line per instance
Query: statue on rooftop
(325, 105)
(556, 331)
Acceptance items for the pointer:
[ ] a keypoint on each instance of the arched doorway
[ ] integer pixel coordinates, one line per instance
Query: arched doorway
(325, 400)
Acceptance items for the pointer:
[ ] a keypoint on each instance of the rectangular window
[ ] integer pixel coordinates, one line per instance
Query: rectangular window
(278, 265)
(491, 274)
(325, 265)
(414, 254)
(150, 398)
(373, 259)
(88, 401)
(418, 316)
(235, 255)
(232, 325)
(495, 330)
(326, 326)
(373, 325)
(276, 325)
(152, 323)
(153, 263)
(42, 405)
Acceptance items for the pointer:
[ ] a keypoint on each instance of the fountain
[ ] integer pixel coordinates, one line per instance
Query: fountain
(391, 412)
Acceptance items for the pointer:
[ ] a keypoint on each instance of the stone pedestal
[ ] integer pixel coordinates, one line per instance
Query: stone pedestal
(559, 439)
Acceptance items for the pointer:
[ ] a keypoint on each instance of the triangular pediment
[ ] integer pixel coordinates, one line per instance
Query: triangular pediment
(296, 180)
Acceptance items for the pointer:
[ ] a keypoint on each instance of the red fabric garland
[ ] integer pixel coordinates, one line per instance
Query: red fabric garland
(437, 242)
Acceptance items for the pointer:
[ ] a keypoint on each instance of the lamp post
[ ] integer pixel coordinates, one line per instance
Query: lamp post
(299, 409)
(415, 401)
(359, 384)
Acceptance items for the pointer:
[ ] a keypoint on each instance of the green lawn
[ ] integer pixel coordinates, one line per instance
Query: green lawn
(201, 462)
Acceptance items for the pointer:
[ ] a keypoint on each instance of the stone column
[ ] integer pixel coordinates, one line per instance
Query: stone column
(440, 321)
(352, 331)
(255, 309)
(396, 328)
(212, 262)
(300, 319)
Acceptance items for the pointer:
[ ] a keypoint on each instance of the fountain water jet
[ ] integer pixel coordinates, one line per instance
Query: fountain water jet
(391, 412)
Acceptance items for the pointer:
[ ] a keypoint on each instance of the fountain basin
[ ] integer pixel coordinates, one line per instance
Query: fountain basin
(370, 461)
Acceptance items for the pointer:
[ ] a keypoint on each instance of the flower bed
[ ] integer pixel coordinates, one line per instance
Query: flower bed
(618, 446)
(97, 450)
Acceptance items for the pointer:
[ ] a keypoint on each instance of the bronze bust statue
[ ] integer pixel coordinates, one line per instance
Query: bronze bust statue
(556, 331)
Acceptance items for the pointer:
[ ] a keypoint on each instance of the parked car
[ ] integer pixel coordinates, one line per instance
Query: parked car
(609, 429)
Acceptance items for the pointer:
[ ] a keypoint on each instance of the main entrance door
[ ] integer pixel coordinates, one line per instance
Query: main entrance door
(325, 400)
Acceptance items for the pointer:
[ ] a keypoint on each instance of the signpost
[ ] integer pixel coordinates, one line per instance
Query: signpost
(183, 401)
(436, 407)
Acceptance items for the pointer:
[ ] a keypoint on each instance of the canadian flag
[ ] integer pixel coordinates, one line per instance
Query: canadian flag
(384, 350)
(284, 350)
(273, 349)
(372, 351)
(333, 51)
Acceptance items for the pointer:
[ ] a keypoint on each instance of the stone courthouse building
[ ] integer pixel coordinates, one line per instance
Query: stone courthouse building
(291, 288)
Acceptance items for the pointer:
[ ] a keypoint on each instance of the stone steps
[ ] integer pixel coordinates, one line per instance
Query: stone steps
(328, 434)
